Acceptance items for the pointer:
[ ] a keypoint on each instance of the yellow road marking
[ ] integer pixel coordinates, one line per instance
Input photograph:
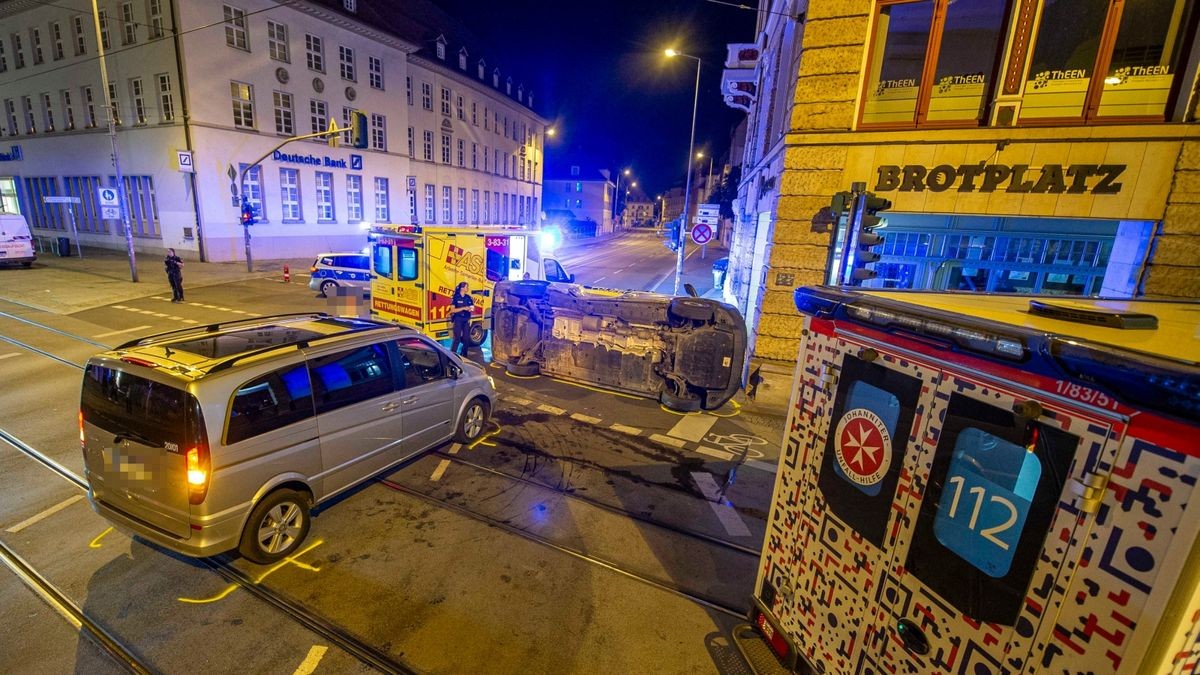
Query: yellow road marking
(309, 665)
(597, 389)
(95, 543)
(290, 560)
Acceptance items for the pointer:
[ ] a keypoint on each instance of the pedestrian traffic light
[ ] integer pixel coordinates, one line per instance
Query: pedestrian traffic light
(358, 129)
(865, 237)
(248, 217)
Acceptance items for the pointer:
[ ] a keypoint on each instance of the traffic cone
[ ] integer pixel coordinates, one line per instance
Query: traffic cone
(287, 275)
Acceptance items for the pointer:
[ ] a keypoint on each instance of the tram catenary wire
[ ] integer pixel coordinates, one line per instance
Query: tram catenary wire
(592, 501)
(674, 589)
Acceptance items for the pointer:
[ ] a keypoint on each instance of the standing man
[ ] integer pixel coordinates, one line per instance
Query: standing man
(462, 305)
(174, 265)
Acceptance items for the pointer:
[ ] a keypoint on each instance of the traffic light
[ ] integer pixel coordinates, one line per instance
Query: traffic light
(358, 129)
(828, 217)
(248, 217)
(865, 237)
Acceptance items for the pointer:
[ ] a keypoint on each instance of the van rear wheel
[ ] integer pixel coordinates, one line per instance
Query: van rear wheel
(276, 527)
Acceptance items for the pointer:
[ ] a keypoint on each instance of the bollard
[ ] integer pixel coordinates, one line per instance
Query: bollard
(287, 275)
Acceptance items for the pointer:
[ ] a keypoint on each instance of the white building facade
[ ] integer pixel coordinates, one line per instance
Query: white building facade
(234, 82)
(586, 194)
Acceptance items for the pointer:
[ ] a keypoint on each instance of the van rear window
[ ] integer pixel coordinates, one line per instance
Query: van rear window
(118, 401)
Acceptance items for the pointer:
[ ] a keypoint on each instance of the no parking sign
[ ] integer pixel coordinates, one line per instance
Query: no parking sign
(702, 233)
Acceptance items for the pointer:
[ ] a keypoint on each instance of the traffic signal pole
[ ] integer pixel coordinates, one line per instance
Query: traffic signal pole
(853, 229)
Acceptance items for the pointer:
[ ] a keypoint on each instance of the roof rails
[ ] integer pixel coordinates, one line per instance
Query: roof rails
(298, 344)
(216, 327)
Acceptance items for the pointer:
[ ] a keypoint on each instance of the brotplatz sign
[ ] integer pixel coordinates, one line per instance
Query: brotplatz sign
(1097, 179)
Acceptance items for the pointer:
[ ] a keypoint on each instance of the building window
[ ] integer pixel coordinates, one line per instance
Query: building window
(462, 59)
(47, 112)
(289, 195)
(104, 41)
(18, 55)
(137, 99)
(408, 89)
(114, 110)
(383, 211)
(128, 25)
(504, 211)
(252, 189)
(462, 206)
(324, 197)
(412, 202)
(427, 146)
(346, 63)
(445, 101)
(277, 41)
(314, 53)
(412, 142)
(459, 107)
(474, 113)
(375, 74)
(140, 205)
(445, 148)
(430, 208)
(441, 50)
(354, 199)
(378, 132)
(347, 112)
(485, 159)
(156, 19)
(427, 96)
(462, 151)
(3, 60)
(56, 35)
(318, 115)
(350, 5)
(486, 117)
(447, 205)
(474, 155)
(487, 204)
(68, 110)
(80, 35)
(35, 44)
(475, 207)
(89, 108)
(10, 113)
(284, 113)
(166, 102)
(27, 109)
(243, 104)
(235, 28)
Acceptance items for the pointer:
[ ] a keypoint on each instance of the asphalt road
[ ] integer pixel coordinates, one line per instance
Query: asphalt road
(589, 532)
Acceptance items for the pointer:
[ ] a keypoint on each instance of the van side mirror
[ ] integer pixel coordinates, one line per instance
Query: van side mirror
(456, 371)
(571, 278)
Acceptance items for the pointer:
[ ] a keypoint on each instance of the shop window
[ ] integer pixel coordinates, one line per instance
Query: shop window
(933, 61)
(1105, 58)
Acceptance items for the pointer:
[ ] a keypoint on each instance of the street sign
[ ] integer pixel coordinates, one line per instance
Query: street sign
(110, 212)
(713, 210)
(61, 200)
(706, 220)
(702, 234)
(185, 161)
(412, 182)
(108, 197)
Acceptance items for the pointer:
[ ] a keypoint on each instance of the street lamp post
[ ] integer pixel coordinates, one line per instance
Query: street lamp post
(616, 194)
(687, 189)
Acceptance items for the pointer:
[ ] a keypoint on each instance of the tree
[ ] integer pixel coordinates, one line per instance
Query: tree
(726, 191)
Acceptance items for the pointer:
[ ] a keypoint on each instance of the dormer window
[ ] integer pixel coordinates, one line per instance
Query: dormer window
(520, 92)
(350, 5)
(508, 86)
(482, 69)
(496, 78)
(574, 170)
(462, 59)
(529, 101)
(441, 47)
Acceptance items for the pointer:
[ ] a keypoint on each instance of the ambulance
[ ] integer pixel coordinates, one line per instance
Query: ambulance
(985, 484)
(415, 269)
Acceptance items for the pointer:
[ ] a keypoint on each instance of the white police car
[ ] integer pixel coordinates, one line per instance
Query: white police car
(346, 270)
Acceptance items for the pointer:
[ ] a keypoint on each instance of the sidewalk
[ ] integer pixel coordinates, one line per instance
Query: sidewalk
(64, 285)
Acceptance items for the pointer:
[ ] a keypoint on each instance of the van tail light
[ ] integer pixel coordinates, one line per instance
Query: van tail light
(82, 439)
(198, 473)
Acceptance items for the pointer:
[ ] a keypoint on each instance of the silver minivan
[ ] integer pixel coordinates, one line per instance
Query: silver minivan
(225, 436)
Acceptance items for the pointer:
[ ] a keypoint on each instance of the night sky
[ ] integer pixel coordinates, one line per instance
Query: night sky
(597, 70)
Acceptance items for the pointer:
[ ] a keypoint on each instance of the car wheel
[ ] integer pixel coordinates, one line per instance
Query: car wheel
(529, 288)
(523, 369)
(276, 527)
(679, 403)
(476, 334)
(693, 309)
(472, 422)
(327, 286)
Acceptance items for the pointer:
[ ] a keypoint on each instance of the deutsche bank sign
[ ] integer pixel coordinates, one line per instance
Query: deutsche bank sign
(355, 163)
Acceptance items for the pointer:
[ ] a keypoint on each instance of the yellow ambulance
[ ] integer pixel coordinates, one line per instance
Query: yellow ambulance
(415, 269)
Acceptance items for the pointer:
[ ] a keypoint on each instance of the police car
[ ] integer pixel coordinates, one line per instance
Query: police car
(346, 270)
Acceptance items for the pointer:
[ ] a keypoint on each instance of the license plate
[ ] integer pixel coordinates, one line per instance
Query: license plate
(765, 627)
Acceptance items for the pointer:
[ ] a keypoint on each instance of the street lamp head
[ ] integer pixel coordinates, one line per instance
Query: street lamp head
(626, 172)
(551, 131)
(633, 184)
(670, 52)
(700, 155)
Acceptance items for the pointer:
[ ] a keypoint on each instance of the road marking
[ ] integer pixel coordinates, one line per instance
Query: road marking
(95, 543)
(43, 515)
(762, 466)
(309, 665)
(719, 454)
(633, 431)
(9, 355)
(585, 418)
(729, 518)
(158, 314)
(667, 440)
(551, 409)
(441, 469)
(693, 427)
(520, 401)
(190, 321)
(455, 447)
(119, 332)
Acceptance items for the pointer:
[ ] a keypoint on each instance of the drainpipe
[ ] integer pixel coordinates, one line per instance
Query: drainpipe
(187, 126)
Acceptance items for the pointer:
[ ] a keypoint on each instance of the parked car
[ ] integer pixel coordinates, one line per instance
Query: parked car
(224, 437)
(333, 270)
(686, 352)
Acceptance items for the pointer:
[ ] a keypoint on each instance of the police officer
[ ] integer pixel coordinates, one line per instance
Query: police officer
(174, 265)
(462, 305)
